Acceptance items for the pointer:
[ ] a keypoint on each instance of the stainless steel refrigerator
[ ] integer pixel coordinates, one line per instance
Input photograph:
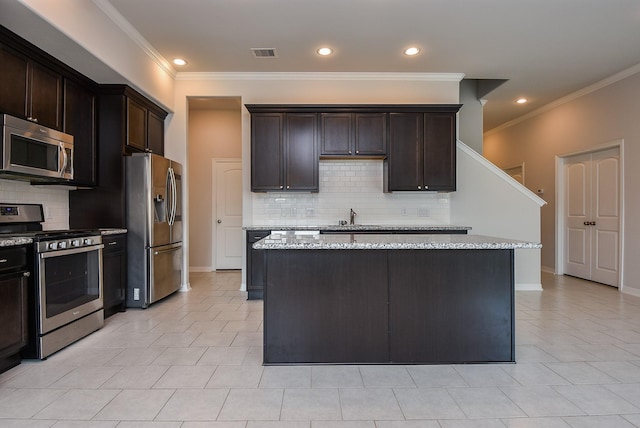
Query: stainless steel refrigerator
(154, 223)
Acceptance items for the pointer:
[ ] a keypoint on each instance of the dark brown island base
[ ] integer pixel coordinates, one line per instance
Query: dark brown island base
(399, 299)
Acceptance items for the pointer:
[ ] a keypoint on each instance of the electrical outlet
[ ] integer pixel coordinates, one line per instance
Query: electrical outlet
(310, 212)
(136, 294)
(403, 211)
(423, 212)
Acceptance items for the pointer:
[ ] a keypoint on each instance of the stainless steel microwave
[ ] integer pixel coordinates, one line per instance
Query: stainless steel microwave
(34, 152)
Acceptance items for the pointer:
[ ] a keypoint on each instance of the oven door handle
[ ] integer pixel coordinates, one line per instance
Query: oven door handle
(71, 251)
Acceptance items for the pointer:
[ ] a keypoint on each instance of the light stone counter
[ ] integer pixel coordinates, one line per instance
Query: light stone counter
(308, 240)
(112, 231)
(362, 227)
(14, 241)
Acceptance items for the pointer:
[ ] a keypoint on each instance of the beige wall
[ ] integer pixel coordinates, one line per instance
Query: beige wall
(605, 115)
(212, 134)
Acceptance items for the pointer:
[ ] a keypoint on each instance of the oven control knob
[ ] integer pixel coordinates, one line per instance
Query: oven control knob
(76, 243)
(88, 241)
(53, 245)
(62, 244)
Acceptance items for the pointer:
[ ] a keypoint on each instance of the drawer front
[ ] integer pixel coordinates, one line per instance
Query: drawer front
(114, 243)
(12, 258)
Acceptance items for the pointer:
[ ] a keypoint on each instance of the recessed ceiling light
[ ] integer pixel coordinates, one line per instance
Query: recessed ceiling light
(412, 51)
(521, 100)
(325, 51)
(179, 61)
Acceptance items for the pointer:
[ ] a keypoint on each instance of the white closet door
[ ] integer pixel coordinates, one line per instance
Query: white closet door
(606, 216)
(592, 235)
(578, 211)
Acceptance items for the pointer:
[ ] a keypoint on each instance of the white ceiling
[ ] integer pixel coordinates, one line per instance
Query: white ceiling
(546, 49)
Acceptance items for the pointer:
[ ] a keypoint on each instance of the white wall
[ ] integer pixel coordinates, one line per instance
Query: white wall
(609, 111)
(55, 202)
(91, 42)
(345, 185)
(494, 204)
(212, 134)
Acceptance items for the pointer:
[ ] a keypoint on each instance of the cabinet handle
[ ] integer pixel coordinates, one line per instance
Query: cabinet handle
(586, 223)
(426, 187)
(113, 243)
(26, 274)
(357, 151)
(282, 187)
(3, 260)
(350, 152)
(419, 187)
(288, 187)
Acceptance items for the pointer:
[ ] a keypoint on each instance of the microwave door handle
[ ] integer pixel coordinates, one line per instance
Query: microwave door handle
(65, 159)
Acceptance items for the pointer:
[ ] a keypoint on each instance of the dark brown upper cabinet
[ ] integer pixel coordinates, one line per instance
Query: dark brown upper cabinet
(353, 134)
(80, 121)
(284, 154)
(29, 90)
(145, 128)
(422, 151)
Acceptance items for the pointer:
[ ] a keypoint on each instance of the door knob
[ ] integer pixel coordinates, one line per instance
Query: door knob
(219, 221)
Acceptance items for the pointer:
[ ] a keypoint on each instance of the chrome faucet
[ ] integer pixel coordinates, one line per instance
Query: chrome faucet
(352, 216)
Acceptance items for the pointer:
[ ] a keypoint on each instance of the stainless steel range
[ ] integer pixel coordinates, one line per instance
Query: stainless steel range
(65, 301)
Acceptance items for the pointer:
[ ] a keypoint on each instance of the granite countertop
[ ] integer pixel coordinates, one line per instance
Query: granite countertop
(362, 227)
(14, 241)
(112, 231)
(302, 240)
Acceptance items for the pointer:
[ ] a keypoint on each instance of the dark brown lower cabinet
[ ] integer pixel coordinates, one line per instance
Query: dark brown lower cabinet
(114, 269)
(451, 306)
(13, 306)
(389, 306)
(326, 307)
(256, 264)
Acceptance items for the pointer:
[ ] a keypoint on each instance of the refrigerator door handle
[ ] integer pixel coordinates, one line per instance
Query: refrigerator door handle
(175, 196)
(169, 201)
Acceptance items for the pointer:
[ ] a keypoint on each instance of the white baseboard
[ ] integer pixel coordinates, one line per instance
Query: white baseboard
(631, 291)
(522, 286)
(243, 287)
(200, 269)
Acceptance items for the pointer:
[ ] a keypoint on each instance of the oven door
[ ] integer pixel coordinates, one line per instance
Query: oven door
(70, 285)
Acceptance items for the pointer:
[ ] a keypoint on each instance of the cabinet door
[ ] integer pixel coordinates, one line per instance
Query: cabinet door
(336, 137)
(46, 97)
(13, 314)
(13, 84)
(114, 269)
(301, 155)
(405, 157)
(136, 126)
(370, 133)
(266, 152)
(80, 121)
(256, 265)
(155, 137)
(439, 151)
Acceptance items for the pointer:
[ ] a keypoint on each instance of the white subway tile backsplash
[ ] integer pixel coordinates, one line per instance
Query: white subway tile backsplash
(55, 201)
(354, 184)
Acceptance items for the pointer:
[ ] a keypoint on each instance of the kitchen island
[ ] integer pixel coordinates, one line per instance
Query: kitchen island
(403, 299)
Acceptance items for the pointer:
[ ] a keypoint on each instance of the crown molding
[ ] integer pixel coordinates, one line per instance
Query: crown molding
(134, 35)
(431, 77)
(572, 96)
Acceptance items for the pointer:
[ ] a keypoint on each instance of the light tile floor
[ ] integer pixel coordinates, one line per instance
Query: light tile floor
(194, 361)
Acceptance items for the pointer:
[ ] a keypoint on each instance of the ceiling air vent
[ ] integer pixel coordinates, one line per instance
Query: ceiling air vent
(264, 52)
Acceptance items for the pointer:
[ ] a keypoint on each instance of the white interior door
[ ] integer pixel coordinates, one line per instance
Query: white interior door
(228, 209)
(592, 206)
